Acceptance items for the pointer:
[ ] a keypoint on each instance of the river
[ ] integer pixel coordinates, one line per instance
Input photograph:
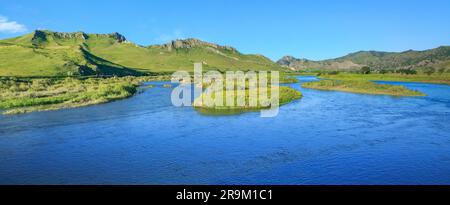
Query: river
(325, 138)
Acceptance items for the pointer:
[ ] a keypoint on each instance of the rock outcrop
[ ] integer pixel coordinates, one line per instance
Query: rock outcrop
(192, 42)
(43, 35)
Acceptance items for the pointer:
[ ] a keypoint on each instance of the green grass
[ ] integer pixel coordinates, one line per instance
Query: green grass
(156, 59)
(205, 102)
(434, 78)
(48, 53)
(286, 79)
(24, 61)
(25, 95)
(18, 60)
(361, 86)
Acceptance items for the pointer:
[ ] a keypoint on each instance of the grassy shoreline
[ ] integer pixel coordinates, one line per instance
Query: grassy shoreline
(22, 95)
(32, 94)
(421, 78)
(362, 87)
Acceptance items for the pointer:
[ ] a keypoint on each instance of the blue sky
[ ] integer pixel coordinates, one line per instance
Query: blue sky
(305, 29)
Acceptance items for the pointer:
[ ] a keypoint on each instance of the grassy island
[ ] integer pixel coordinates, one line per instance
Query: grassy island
(361, 86)
(201, 104)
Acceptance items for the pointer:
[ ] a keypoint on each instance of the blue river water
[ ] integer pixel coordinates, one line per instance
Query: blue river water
(325, 138)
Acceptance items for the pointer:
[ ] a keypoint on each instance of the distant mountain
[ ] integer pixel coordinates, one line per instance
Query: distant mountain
(48, 53)
(437, 58)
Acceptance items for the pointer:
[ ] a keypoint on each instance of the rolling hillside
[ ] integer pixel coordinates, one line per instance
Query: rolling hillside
(438, 58)
(47, 53)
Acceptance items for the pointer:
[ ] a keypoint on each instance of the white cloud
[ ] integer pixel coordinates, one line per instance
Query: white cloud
(7, 26)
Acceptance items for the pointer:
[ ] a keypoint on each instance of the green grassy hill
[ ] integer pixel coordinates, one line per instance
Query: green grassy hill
(47, 53)
(438, 58)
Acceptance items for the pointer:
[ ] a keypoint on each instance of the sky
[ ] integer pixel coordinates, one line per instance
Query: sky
(315, 30)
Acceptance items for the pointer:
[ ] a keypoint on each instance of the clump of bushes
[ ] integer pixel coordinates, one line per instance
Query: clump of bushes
(334, 72)
(429, 70)
(406, 71)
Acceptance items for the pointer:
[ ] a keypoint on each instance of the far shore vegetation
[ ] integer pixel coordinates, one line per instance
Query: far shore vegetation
(423, 78)
(361, 81)
(423, 75)
(361, 86)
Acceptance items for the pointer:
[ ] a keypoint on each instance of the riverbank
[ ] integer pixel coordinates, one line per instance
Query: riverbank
(443, 78)
(24, 95)
(363, 87)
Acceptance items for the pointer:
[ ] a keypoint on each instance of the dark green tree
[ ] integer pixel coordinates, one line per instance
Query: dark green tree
(365, 70)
